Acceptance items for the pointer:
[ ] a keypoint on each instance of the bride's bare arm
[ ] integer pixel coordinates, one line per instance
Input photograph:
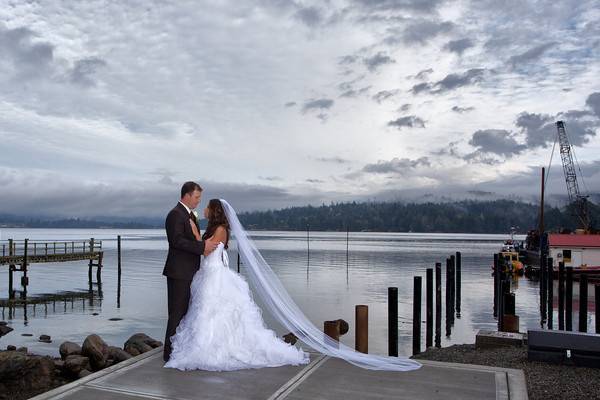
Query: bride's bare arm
(220, 235)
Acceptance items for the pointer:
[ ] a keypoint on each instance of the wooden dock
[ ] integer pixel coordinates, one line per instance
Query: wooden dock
(19, 254)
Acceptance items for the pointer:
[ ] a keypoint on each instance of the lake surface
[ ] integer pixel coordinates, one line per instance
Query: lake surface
(327, 286)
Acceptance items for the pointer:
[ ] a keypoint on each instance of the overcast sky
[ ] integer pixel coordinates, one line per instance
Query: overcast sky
(106, 107)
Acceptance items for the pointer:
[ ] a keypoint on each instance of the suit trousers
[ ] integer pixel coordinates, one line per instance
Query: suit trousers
(178, 297)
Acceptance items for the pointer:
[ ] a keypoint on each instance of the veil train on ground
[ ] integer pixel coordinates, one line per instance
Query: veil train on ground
(274, 296)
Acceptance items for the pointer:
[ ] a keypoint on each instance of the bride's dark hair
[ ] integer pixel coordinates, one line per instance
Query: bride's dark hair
(216, 218)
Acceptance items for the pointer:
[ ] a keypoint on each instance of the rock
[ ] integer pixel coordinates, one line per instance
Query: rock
(96, 350)
(59, 364)
(69, 348)
(45, 339)
(22, 350)
(290, 338)
(24, 373)
(3, 323)
(10, 347)
(140, 343)
(118, 354)
(4, 330)
(83, 373)
(26, 334)
(75, 364)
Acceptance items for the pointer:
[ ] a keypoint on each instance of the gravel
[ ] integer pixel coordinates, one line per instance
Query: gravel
(544, 381)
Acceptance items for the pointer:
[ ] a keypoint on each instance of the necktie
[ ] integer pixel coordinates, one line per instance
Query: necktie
(193, 217)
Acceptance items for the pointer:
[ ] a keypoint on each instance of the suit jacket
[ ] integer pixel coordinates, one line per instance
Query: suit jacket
(183, 259)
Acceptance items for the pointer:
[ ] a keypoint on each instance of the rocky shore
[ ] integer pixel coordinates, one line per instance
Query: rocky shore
(544, 381)
(23, 375)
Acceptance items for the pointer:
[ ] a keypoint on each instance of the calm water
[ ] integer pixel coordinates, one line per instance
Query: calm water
(326, 289)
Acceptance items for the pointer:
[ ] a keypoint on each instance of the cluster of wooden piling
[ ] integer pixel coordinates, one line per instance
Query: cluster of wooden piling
(20, 254)
(565, 297)
(504, 299)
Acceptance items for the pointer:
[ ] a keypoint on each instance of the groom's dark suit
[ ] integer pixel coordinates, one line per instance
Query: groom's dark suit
(182, 263)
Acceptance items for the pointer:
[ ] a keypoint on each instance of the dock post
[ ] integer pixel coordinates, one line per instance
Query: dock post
(24, 278)
(550, 280)
(438, 304)
(119, 256)
(543, 288)
(458, 281)
(561, 295)
(393, 321)
(569, 300)
(238, 261)
(331, 329)
(583, 300)
(452, 288)
(361, 342)
(448, 294)
(11, 290)
(597, 302)
(496, 282)
(417, 315)
(429, 308)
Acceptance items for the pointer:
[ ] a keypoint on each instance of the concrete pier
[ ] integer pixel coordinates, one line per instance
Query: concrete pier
(144, 377)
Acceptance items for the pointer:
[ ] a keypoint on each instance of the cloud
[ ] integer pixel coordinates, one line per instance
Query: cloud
(530, 55)
(384, 95)
(394, 5)
(593, 102)
(317, 104)
(410, 121)
(421, 87)
(423, 74)
(395, 165)
(454, 81)
(289, 104)
(459, 46)
(422, 30)
(539, 129)
(461, 110)
(355, 92)
(311, 16)
(376, 61)
(29, 56)
(335, 160)
(84, 70)
(496, 141)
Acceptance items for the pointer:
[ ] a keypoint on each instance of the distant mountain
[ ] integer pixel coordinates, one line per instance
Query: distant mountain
(14, 221)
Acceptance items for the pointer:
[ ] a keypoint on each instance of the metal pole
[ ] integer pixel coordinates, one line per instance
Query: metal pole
(417, 315)
(393, 321)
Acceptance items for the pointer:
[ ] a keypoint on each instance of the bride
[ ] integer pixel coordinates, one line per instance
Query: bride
(223, 329)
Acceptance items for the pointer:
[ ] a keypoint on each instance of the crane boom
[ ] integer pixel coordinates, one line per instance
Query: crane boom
(575, 196)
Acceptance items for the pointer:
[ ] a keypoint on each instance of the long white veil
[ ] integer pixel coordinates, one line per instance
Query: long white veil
(285, 310)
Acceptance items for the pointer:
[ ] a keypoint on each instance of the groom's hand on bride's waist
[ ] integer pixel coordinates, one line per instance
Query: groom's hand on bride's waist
(210, 245)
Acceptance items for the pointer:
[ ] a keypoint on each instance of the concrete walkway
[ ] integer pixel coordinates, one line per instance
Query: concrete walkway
(144, 377)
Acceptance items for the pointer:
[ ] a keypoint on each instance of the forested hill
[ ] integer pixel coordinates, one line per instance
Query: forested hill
(464, 216)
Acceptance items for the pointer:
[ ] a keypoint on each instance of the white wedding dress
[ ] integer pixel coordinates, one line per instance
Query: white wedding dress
(223, 329)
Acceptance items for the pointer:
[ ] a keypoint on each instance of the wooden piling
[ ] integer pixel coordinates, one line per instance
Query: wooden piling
(550, 280)
(569, 300)
(597, 302)
(238, 261)
(583, 300)
(561, 295)
(448, 294)
(458, 282)
(543, 288)
(393, 321)
(429, 308)
(452, 288)
(331, 329)
(438, 304)
(417, 315)
(496, 282)
(361, 340)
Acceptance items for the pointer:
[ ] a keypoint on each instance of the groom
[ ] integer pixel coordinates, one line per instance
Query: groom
(183, 259)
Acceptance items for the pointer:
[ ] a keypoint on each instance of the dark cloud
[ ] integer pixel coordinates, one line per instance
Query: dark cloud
(384, 95)
(84, 70)
(270, 178)
(539, 129)
(315, 181)
(29, 56)
(496, 141)
(311, 16)
(421, 31)
(458, 46)
(356, 92)
(410, 121)
(335, 160)
(404, 107)
(461, 110)
(396, 165)
(454, 81)
(421, 87)
(393, 5)
(424, 73)
(593, 102)
(376, 61)
(290, 104)
(349, 59)
(318, 104)
(530, 55)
